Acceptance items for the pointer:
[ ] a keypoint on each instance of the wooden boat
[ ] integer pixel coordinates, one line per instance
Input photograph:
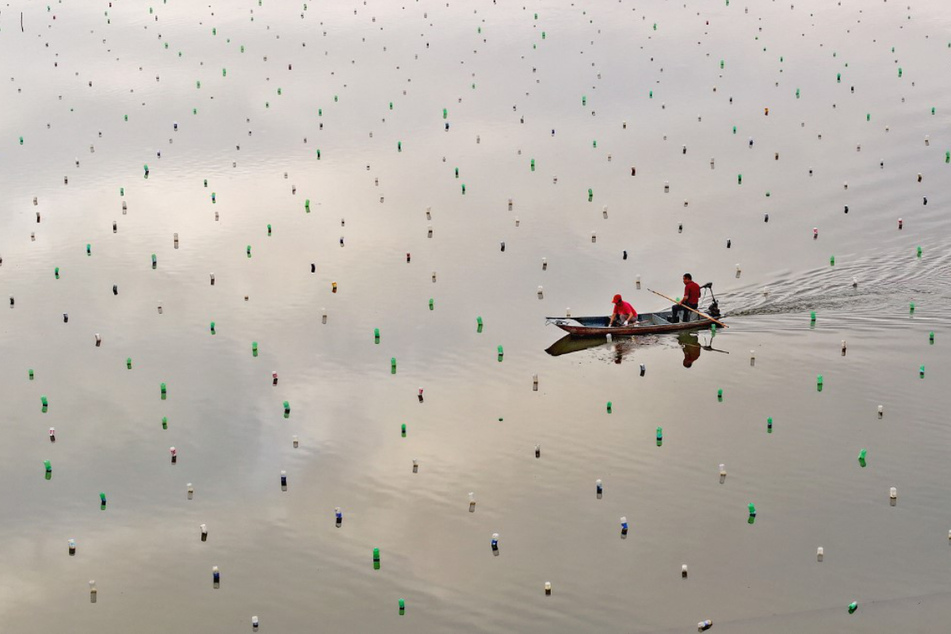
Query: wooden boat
(647, 324)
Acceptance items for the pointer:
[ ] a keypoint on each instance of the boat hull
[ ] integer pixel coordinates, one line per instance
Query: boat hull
(647, 324)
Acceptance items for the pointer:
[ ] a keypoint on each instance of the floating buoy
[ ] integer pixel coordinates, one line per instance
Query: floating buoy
(862, 454)
(93, 592)
(624, 526)
(610, 407)
(703, 626)
(722, 473)
(392, 365)
(163, 391)
(204, 532)
(538, 451)
(893, 495)
(283, 480)
(190, 490)
(660, 436)
(52, 434)
(174, 453)
(215, 576)
(164, 422)
(102, 501)
(853, 607)
(598, 488)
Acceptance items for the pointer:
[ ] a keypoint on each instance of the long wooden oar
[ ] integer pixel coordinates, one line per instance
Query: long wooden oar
(693, 310)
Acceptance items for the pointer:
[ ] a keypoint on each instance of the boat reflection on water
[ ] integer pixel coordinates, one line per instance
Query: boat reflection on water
(690, 343)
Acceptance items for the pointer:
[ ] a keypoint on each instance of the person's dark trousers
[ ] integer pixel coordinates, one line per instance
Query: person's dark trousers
(679, 310)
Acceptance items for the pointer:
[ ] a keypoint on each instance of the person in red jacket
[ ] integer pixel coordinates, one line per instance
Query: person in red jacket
(623, 312)
(691, 299)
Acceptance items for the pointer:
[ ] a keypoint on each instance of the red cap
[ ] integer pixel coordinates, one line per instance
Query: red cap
(616, 299)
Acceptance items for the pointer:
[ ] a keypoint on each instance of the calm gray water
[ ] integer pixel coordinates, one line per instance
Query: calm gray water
(586, 90)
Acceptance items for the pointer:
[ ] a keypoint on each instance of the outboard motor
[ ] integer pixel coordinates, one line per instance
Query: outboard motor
(714, 309)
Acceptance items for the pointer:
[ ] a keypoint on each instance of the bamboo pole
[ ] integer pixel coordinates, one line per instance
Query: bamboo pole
(693, 310)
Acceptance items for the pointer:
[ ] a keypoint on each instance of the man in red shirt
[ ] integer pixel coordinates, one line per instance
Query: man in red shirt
(691, 299)
(623, 312)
